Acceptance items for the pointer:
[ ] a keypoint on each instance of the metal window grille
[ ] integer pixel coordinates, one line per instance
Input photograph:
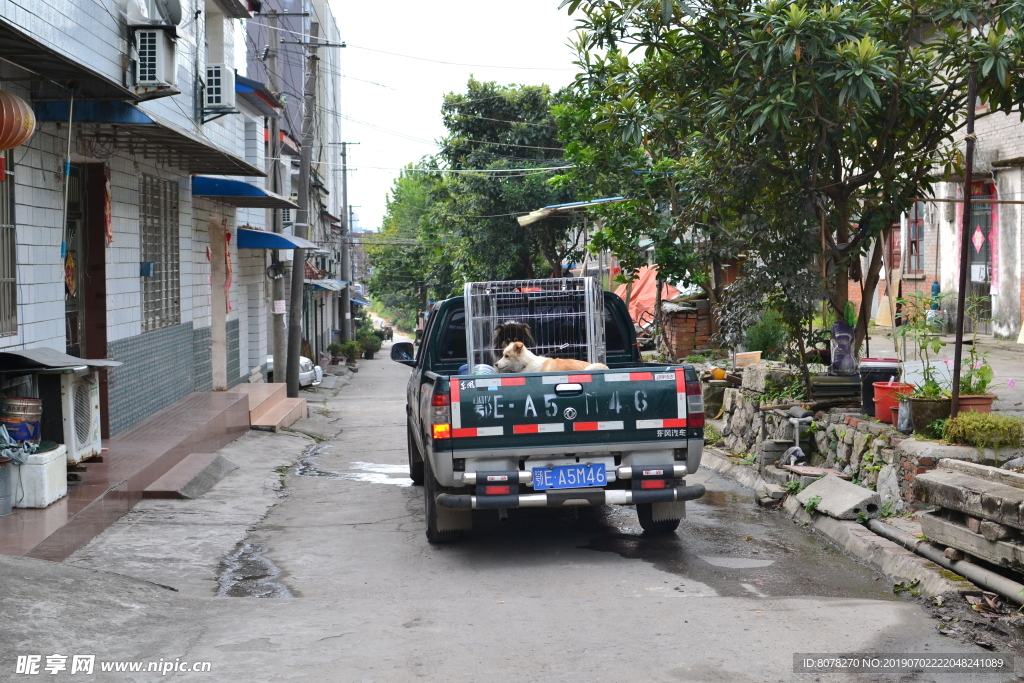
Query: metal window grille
(565, 318)
(8, 257)
(214, 86)
(161, 293)
(146, 47)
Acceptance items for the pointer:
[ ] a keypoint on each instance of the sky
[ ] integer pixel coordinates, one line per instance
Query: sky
(532, 36)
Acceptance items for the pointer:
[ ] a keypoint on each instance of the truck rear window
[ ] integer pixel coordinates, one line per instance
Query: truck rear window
(452, 339)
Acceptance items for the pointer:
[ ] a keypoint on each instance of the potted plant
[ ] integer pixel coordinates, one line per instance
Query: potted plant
(351, 351)
(976, 375)
(370, 344)
(930, 400)
(337, 351)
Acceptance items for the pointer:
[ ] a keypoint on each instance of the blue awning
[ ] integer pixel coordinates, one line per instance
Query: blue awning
(146, 134)
(258, 239)
(328, 284)
(358, 302)
(238, 193)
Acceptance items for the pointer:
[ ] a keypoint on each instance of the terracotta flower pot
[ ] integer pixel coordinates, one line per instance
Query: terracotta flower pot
(977, 403)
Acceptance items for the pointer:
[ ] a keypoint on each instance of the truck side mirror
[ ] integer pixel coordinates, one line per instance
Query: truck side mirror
(404, 353)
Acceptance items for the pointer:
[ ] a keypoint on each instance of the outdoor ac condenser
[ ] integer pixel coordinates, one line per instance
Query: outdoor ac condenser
(220, 86)
(71, 411)
(156, 63)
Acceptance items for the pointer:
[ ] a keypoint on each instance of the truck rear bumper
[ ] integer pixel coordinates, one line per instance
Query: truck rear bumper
(570, 498)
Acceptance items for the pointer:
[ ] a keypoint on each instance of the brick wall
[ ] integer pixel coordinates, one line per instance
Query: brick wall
(687, 331)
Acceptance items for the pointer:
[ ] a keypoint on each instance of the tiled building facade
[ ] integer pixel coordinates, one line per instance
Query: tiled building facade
(124, 268)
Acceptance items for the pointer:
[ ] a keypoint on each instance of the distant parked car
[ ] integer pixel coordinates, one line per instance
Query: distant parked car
(309, 375)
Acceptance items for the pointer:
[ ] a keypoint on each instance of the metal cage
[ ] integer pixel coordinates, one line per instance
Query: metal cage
(561, 318)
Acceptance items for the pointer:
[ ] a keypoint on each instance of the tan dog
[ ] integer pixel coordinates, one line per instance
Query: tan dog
(518, 358)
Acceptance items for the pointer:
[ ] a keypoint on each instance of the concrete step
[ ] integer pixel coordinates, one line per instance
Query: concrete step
(262, 397)
(283, 414)
(192, 477)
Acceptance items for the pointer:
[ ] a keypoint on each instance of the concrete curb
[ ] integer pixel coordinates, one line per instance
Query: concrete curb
(741, 474)
(891, 560)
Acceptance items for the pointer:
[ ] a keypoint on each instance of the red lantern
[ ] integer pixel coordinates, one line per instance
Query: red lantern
(17, 121)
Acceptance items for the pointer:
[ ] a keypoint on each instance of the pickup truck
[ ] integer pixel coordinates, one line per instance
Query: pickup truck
(627, 435)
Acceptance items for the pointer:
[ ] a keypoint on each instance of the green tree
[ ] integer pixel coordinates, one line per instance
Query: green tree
(847, 108)
(510, 134)
(407, 257)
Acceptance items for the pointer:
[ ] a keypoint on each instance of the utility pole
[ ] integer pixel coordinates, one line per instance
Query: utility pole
(302, 217)
(346, 259)
(965, 236)
(278, 336)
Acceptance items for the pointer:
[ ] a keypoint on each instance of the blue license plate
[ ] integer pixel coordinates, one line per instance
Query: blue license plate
(568, 477)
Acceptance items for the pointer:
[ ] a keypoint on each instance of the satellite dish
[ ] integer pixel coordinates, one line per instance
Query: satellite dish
(171, 9)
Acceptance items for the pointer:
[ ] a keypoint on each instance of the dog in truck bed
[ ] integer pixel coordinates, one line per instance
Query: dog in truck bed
(518, 358)
(508, 332)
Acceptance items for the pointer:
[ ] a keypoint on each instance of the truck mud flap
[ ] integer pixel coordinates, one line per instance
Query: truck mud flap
(570, 498)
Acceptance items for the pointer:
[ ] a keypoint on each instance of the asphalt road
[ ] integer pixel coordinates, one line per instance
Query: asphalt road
(353, 591)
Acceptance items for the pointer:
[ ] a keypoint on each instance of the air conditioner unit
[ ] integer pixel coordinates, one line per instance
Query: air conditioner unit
(71, 411)
(220, 87)
(156, 63)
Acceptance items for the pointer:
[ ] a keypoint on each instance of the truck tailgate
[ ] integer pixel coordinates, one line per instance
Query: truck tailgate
(570, 411)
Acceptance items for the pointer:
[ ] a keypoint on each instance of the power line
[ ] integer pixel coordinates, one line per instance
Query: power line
(481, 66)
(427, 59)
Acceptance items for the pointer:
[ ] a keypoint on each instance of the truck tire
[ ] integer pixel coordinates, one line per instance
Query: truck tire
(415, 459)
(431, 488)
(645, 513)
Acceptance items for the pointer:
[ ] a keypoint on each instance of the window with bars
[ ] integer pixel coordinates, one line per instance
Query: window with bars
(158, 213)
(915, 239)
(8, 253)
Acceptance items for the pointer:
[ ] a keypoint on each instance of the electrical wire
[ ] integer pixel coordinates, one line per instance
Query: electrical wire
(299, 34)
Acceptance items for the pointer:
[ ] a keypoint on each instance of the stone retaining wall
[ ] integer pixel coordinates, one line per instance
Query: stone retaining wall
(873, 453)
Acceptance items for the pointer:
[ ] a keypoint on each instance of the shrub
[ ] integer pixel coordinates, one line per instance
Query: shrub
(336, 349)
(767, 335)
(350, 349)
(984, 430)
(369, 343)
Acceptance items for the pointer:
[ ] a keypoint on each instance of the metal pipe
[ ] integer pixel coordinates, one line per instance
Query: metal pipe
(1009, 589)
(961, 295)
(67, 183)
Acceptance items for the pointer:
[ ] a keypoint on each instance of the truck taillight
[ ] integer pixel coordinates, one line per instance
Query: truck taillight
(441, 402)
(442, 431)
(694, 405)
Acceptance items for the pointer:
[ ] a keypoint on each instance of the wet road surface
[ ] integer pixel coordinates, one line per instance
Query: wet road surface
(563, 594)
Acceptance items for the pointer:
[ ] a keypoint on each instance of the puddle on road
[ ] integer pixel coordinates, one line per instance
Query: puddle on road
(248, 574)
(369, 472)
(739, 549)
(736, 562)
